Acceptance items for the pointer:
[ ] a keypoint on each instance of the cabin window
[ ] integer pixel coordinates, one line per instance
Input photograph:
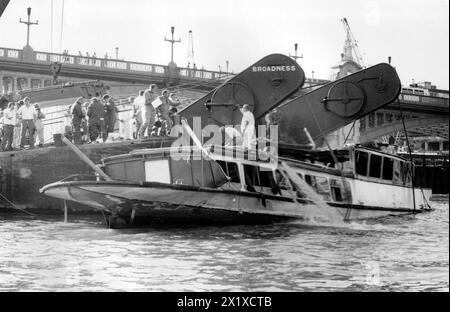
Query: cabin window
(361, 159)
(445, 146)
(388, 168)
(257, 177)
(433, 146)
(231, 170)
(402, 172)
(408, 173)
(157, 171)
(397, 179)
(338, 192)
(375, 166)
(319, 184)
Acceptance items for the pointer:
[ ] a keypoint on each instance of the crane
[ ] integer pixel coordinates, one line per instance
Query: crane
(351, 45)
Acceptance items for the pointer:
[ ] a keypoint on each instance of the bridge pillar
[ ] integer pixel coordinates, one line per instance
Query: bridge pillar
(16, 85)
(28, 53)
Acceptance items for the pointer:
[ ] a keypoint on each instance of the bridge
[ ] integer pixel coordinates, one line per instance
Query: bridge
(423, 115)
(21, 69)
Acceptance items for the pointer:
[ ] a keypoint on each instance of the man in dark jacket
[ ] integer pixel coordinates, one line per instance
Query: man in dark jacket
(96, 122)
(77, 115)
(110, 115)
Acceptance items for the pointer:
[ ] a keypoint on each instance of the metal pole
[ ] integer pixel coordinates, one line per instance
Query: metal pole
(117, 53)
(28, 23)
(86, 159)
(172, 41)
(171, 55)
(65, 211)
(28, 27)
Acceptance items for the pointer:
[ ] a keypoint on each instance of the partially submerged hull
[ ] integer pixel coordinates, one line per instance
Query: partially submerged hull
(141, 203)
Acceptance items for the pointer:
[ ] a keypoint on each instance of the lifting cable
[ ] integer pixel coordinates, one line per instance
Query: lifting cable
(62, 28)
(411, 160)
(347, 192)
(410, 155)
(348, 134)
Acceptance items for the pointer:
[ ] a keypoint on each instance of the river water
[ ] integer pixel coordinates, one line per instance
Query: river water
(409, 253)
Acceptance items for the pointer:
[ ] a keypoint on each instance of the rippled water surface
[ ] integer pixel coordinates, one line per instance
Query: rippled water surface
(402, 254)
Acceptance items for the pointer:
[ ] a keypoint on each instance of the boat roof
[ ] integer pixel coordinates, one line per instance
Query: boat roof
(236, 153)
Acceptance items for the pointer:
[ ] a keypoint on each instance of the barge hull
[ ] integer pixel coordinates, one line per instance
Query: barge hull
(23, 173)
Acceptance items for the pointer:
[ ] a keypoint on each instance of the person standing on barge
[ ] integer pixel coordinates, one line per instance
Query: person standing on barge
(77, 113)
(17, 135)
(39, 125)
(28, 115)
(96, 122)
(9, 121)
(110, 115)
(138, 107)
(148, 112)
(163, 112)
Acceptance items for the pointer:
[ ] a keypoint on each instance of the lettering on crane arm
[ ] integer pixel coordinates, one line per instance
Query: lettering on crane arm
(274, 68)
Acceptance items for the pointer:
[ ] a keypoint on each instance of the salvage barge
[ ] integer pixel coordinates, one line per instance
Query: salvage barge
(22, 173)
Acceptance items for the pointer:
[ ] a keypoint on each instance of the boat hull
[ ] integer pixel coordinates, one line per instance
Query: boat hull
(143, 203)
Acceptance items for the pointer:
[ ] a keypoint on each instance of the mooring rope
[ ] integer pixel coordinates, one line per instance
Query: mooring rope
(15, 206)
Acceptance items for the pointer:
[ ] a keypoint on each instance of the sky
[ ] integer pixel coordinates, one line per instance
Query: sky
(415, 33)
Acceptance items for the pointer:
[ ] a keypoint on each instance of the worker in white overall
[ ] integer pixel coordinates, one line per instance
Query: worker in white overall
(248, 128)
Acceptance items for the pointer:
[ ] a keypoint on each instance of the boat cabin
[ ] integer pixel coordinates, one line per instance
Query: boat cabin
(157, 165)
(240, 174)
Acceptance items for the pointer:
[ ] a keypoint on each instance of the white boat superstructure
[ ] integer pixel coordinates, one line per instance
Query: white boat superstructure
(226, 188)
